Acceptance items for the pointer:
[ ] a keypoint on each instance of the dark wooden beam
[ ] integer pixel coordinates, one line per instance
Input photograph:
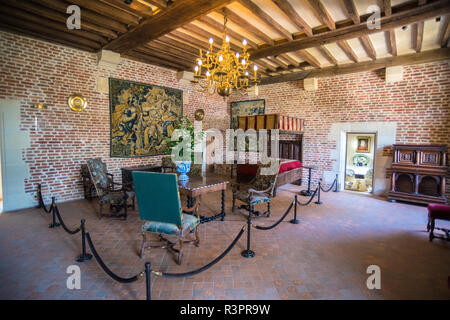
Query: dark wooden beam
(177, 44)
(306, 56)
(290, 60)
(289, 10)
(415, 58)
(390, 33)
(162, 4)
(348, 50)
(107, 11)
(328, 55)
(445, 35)
(352, 11)
(135, 7)
(145, 58)
(428, 11)
(323, 13)
(177, 14)
(266, 18)
(368, 47)
(418, 36)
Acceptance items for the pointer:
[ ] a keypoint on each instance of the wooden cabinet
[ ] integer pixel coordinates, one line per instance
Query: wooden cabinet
(419, 173)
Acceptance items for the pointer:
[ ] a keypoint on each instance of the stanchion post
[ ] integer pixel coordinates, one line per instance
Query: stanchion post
(248, 253)
(336, 186)
(318, 193)
(84, 256)
(148, 274)
(295, 220)
(54, 224)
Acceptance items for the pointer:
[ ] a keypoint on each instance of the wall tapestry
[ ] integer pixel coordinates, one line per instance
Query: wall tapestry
(142, 115)
(245, 108)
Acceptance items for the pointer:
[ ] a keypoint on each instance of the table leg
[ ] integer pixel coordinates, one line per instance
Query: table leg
(223, 205)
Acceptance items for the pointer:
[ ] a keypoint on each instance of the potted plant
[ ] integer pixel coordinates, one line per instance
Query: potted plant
(183, 161)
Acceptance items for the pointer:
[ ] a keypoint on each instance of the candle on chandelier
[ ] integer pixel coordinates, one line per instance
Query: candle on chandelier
(256, 69)
(244, 42)
(227, 38)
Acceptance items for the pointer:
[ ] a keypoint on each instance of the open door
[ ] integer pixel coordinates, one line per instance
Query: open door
(359, 162)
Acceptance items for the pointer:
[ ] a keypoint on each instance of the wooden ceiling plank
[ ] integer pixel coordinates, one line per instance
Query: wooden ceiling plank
(135, 8)
(352, 11)
(348, 50)
(181, 36)
(39, 29)
(446, 32)
(189, 60)
(289, 10)
(418, 36)
(145, 58)
(162, 4)
(176, 15)
(107, 11)
(322, 13)
(57, 16)
(368, 47)
(428, 11)
(42, 21)
(172, 49)
(203, 33)
(328, 55)
(305, 55)
(292, 61)
(177, 44)
(390, 33)
(266, 18)
(279, 63)
(415, 58)
(48, 38)
(87, 15)
(164, 56)
(248, 26)
(219, 28)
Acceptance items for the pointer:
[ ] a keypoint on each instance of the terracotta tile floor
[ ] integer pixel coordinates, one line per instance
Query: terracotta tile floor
(325, 257)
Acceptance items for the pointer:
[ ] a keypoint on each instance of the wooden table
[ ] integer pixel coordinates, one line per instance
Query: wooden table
(197, 186)
(127, 177)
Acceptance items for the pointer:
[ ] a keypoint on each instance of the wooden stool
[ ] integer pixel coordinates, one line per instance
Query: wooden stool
(438, 211)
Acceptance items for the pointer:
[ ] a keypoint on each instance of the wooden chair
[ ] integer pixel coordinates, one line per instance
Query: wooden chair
(167, 164)
(259, 190)
(160, 208)
(104, 184)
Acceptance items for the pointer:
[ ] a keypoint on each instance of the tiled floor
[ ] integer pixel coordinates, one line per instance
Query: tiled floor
(324, 257)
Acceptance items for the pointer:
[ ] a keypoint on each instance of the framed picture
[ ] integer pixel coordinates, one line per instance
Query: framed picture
(142, 116)
(363, 145)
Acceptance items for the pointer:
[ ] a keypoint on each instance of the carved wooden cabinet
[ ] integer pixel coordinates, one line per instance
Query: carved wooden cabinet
(419, 173)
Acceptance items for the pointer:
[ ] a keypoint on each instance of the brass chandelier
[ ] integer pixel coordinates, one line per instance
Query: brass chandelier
(224, 70)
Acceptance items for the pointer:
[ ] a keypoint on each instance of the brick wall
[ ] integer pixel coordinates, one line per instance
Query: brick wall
(420, 105)
(34, 71)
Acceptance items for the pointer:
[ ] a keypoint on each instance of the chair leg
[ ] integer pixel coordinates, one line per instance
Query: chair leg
(431, 229)
(428, 225)
(197, 238)
(144, 240)
(268, 209)
(180, 253)
(234, 204)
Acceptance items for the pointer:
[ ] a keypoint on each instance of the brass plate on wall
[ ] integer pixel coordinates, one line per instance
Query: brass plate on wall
(77, 102)
(199, 114)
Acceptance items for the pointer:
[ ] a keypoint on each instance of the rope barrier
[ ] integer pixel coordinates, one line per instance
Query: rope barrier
(309, 201)
(105, 268)
(56, 210)
(41, 200)
(331, 187)
(278, 222)
(205, 267)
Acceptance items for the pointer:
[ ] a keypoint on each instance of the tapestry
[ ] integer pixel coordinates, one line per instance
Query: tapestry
(245, 108)
(142, 115)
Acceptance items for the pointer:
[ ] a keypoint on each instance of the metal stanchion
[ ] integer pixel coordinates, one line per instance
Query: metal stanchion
(54, 224)
(307, 193)
(148, 273)
(295, 220)
(318, 193)
(248, 253)
(84, 256)
(336, 186)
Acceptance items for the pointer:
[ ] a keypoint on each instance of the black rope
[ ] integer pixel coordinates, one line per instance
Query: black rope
(279, 221)
(205, 267)
(105, 268)
(41, 200)
(331, 187)
(309, 201)
(63, 224)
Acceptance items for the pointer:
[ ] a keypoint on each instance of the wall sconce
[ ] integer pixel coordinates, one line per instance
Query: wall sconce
(40, 106)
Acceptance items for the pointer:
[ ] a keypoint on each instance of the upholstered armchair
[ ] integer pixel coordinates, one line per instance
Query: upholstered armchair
(260, 190)
(160, 208)
(105, 187)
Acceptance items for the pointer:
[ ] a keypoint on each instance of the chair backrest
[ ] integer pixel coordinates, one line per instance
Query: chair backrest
(264, 181)
(158, 197)
(99, 174)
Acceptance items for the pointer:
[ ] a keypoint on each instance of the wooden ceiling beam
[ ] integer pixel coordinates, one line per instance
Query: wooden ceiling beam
(328, 55)
(368, 47)
(174, 49)
(58, 16)
(306, 56)
(352, 11)
(167, 40)
(186, 63)
(135, 7)
(348, 50)
(40, 29)
(210, 22)
(445, 36)
(87, 15)
(42, 21)
(278, 62)
(203, 33)
(145, 58)
(235, 18)
(291, 61)
(176, 15)
(162, 4)
(107, 11)
(415, 58)
(428, 11)
(266, 18)
(390, 33)
(418, 36)
(323, 13)
(289, 10)
(172, 53)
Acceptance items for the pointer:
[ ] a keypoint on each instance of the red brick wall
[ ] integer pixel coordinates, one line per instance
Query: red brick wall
(420, 105)
(34, 71)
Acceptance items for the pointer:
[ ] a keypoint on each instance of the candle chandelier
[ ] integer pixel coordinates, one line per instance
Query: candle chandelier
(224, 70)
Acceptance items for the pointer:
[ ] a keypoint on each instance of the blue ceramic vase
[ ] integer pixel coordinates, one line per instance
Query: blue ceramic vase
(183, 167)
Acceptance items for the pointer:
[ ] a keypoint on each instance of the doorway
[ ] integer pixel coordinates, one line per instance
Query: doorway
(359, 162)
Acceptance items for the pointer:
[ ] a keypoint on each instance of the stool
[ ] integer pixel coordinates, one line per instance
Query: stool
(438, 211)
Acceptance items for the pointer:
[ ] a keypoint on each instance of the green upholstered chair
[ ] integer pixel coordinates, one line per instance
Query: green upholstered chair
(260, 190)
(105, 187)
(160, 208)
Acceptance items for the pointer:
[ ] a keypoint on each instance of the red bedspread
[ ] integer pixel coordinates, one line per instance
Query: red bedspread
(251, 169)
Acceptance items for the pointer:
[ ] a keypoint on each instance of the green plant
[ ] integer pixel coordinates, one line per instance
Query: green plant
(186, 126)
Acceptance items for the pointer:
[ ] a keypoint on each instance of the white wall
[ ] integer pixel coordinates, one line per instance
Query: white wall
(14, 169)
